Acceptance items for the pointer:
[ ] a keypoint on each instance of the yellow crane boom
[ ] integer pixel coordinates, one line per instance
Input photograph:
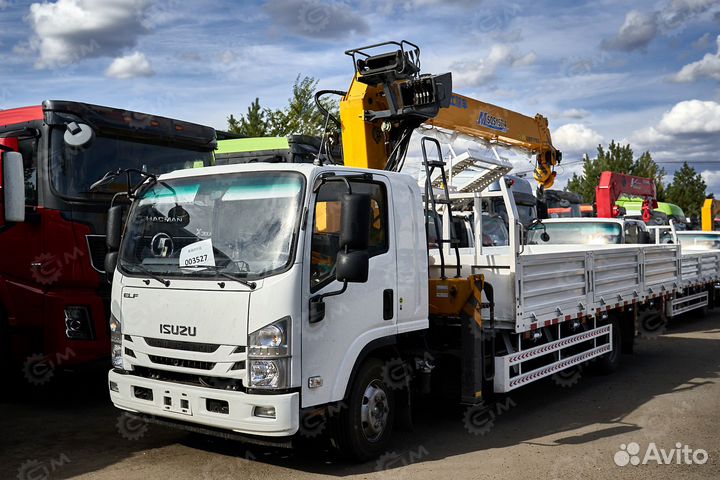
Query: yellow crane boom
(499, 125)
(388, 99)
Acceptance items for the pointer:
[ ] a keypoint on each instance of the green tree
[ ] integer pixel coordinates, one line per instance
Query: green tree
(300, 117)
(617, 158)
(252, 124)
(687, 190)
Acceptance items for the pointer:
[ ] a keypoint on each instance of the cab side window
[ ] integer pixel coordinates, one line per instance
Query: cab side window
(28, 149)
(326, 227)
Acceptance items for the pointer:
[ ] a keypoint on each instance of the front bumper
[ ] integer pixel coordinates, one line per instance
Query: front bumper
(168, 400)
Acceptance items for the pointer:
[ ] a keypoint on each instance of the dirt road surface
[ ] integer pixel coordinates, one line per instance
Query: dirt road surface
(667, 393)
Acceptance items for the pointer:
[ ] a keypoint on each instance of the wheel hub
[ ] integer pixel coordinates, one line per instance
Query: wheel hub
(374, 411)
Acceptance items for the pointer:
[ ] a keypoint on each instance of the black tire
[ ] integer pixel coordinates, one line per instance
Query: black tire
(369, 399)
(610, 362)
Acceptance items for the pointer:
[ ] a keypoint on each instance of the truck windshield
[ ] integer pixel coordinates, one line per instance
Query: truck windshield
(242, 224)
(577, 233)
(74, 170)
(700, 241)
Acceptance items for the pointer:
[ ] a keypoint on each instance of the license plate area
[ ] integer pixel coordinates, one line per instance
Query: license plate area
(176, 402)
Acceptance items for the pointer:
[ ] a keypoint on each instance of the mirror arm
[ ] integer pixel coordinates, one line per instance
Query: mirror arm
(323, 296)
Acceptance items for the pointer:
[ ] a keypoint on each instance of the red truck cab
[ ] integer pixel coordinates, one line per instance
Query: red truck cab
(54, 296)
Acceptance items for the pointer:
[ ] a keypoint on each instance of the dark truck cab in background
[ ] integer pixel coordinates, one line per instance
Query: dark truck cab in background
(54, 296)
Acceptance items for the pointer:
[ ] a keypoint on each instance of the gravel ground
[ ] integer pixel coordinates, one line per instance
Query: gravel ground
(666, 393)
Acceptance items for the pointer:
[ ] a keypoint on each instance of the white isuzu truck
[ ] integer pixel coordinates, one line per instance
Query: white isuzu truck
(248, 297)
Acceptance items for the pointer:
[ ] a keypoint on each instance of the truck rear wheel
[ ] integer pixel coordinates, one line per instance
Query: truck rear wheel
(610, 362)
(363, 430)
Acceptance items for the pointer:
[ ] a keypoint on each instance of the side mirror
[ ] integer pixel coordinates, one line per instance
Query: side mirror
(111, 260)
(13, 182)
(352, 267)
(355, 221)
(114, 228)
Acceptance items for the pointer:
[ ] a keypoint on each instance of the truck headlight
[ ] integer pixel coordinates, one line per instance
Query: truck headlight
(116, 342)
(271, 340)
(268, 373)
(78, 325)
(269, 355)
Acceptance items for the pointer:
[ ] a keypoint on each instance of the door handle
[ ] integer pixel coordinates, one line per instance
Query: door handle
(388, 304)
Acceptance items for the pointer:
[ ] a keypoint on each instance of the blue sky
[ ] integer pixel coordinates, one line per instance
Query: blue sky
(643, 72)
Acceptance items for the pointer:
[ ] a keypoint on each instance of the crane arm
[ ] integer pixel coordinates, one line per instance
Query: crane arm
(499, 125)
(388, 99)
(612, 185)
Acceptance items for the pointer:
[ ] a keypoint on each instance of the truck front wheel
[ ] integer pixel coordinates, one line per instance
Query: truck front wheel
(363, 429)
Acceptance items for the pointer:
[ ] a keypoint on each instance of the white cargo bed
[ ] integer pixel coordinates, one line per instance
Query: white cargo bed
(549, 284)
(700, 267)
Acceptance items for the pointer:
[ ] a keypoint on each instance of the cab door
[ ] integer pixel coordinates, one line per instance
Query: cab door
(365, 311)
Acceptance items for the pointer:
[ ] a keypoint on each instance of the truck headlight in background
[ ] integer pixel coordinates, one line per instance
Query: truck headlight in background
(116, 342)
(77, 323)
(269, 355)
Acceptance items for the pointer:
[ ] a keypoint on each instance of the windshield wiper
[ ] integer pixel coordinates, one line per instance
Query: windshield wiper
(250, 285)
(150, 274)
(230, 276)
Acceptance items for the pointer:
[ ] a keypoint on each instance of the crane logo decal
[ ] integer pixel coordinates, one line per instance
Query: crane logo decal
(491, 121)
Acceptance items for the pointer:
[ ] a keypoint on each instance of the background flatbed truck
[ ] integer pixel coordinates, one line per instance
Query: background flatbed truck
(54, 298)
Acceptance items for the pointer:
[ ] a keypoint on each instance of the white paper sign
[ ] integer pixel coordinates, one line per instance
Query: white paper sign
(198, 254)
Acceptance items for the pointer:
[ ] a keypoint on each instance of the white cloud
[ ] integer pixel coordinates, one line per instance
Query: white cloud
(636, 32)
(708, 66)
(576, 138)
(689, 131)
(691, 117)
(712, 180)
(690, 125)
(575, 113)
(476, 73)
(132, 65)
(68, 31)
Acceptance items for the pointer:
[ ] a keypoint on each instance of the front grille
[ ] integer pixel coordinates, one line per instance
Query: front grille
(98, 249)
(177, 345)
(179, 362)
(189, 379)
